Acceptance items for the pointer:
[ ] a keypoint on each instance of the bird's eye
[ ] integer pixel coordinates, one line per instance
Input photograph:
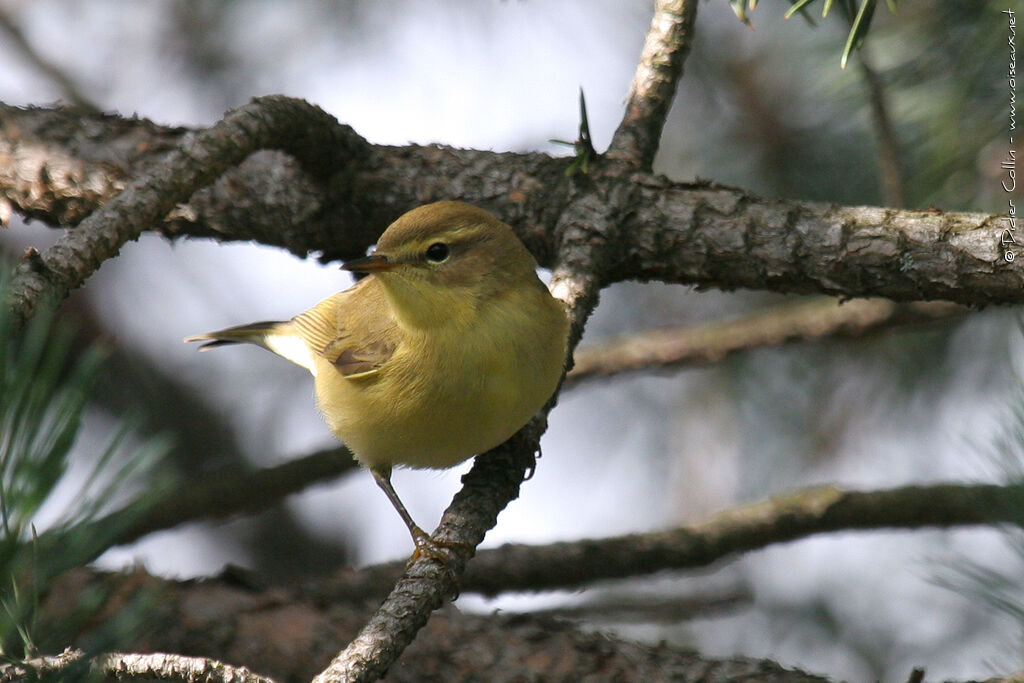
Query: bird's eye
(437, 252)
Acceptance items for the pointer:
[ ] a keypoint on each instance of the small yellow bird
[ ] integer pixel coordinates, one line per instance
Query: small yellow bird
(443, 352)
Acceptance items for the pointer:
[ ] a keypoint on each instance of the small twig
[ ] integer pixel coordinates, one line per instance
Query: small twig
(891, 172)
(654, 85)
(74, 665)
(219, 494)
(306, 132)
(689, 346)
(64, 83)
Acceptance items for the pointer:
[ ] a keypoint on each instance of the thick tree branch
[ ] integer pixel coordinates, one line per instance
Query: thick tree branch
(311, 136)
(667, 44)
(714, 236)
(688, 233)
(664, 349)
(59, 165)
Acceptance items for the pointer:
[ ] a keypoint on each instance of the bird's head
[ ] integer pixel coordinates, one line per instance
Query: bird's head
(441, 262)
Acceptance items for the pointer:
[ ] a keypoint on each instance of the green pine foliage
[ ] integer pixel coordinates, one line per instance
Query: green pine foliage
(858, 16)
(45, 386)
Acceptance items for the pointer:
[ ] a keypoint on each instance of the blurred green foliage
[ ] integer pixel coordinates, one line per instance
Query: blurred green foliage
(45, 384)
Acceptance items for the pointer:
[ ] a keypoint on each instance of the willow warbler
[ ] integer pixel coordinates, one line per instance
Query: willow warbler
(446, 349)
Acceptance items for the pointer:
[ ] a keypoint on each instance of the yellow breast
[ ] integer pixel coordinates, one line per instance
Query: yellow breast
(441, 399)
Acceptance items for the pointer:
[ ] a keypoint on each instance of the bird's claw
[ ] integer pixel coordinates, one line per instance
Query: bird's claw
(436, 549)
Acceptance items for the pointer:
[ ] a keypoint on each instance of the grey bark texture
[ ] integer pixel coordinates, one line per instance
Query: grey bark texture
(688, 233)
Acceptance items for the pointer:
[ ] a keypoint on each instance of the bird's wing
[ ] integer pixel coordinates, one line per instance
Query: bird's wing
(352, 329)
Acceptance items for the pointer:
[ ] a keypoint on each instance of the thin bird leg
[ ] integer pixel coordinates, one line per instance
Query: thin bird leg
(383, 478)
(425, 545)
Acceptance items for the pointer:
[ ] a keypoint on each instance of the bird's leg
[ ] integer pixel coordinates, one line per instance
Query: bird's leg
(425, 545)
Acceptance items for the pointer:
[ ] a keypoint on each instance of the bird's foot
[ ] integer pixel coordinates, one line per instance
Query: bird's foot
(434, 548)
(442, 551)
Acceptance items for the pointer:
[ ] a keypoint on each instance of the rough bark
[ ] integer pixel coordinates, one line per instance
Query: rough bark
(702, 234)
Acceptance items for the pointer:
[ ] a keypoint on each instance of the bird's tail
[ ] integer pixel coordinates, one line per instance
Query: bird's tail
(253, 333)
(275, 336)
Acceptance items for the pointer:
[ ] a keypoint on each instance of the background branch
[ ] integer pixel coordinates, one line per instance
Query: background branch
(230, 491)
(805, 321)
(654, 609)
(793, 516)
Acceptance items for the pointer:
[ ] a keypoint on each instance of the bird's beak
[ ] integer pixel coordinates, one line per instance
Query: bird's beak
(374, 263)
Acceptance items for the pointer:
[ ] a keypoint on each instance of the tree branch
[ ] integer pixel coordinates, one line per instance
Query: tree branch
(632, 608)
(311, 136)
(667, 44)
(790, 517)
(713, 236)
(805, 321)
(786, 518)
(687, 233)
(120, 666)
